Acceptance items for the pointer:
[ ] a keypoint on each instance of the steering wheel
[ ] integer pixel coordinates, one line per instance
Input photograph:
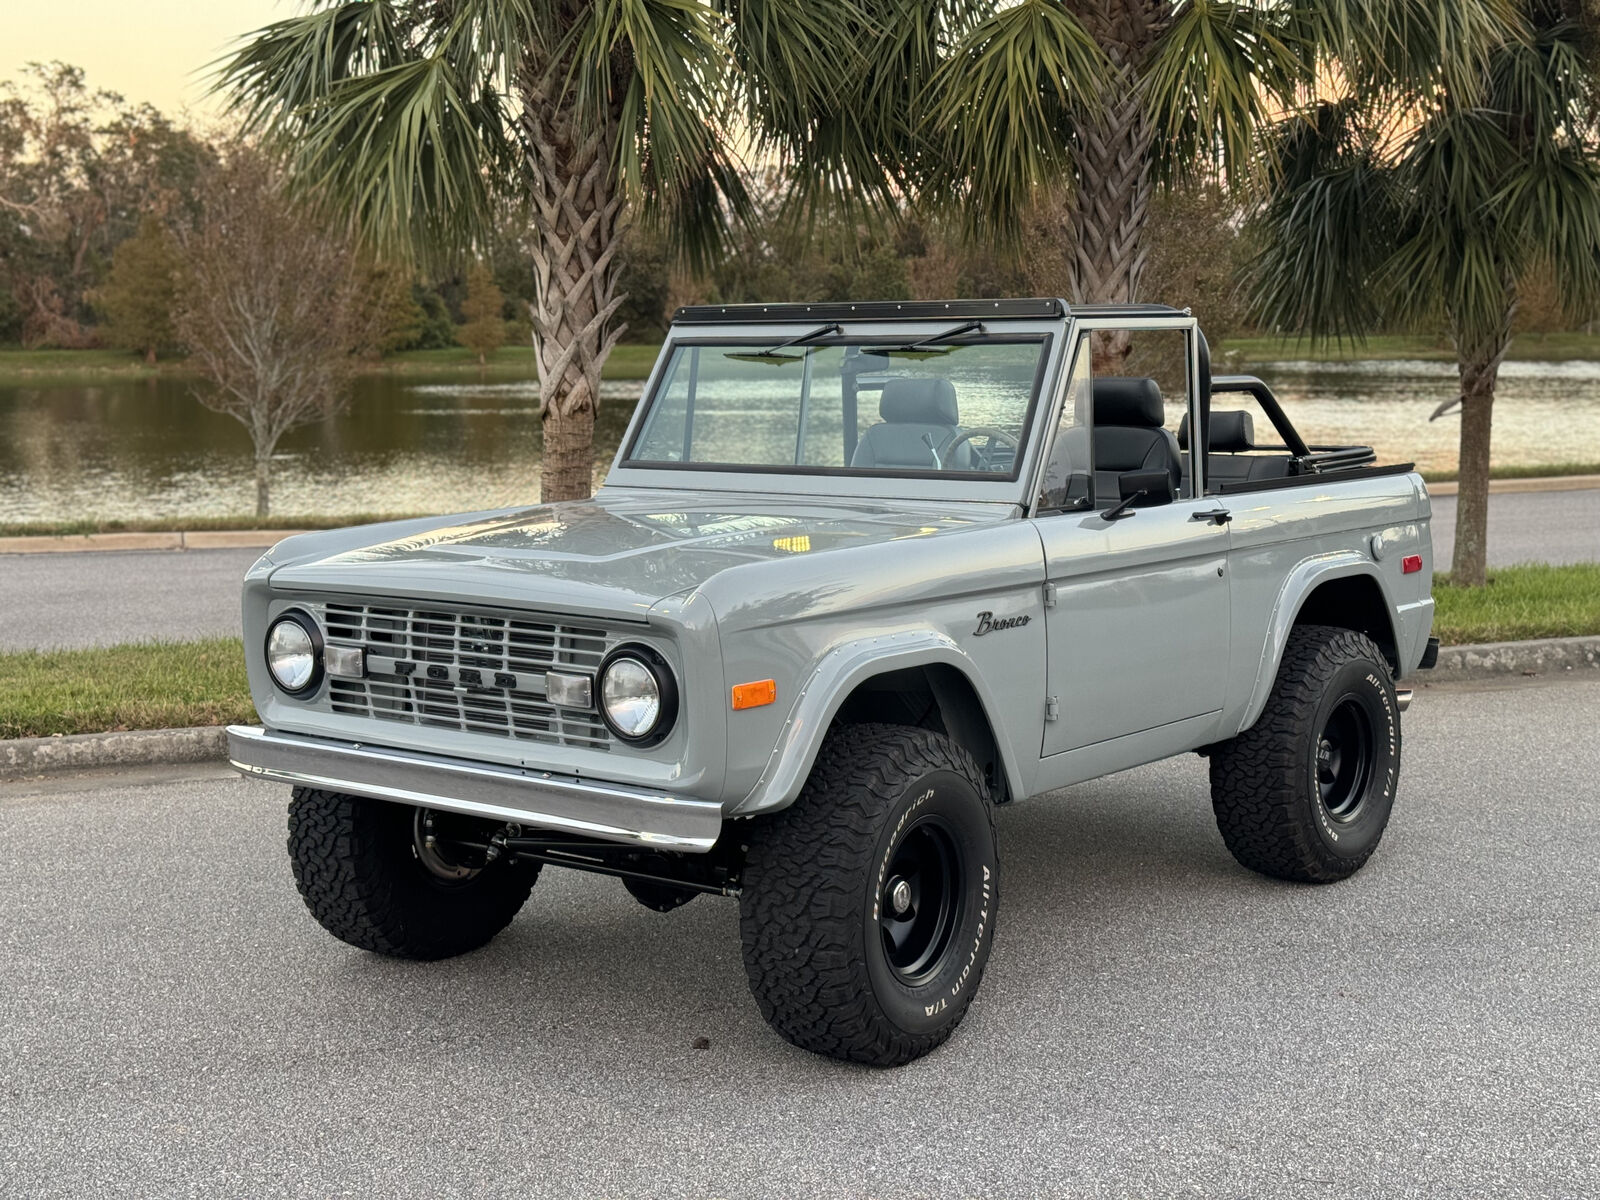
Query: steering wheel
(962, 437)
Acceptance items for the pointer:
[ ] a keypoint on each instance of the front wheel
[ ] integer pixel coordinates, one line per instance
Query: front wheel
(1305, 793)
(398, 880)
(867, 907)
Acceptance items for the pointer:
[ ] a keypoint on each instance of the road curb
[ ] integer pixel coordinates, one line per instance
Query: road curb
(1493, 660)
(1533, 483)
(24, 757)
(209, 743)
(194, 539)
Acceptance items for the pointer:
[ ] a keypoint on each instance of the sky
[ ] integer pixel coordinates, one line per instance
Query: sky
(149, 50)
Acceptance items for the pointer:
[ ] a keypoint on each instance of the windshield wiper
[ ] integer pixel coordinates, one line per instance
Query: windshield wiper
(772, 356)
(927, 345)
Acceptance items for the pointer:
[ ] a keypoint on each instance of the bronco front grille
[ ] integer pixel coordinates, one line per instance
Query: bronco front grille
(473, 671)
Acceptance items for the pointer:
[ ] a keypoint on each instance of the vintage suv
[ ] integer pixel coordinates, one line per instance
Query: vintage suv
(860, 573)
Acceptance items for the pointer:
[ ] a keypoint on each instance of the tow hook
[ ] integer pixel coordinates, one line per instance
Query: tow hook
(1402, 698)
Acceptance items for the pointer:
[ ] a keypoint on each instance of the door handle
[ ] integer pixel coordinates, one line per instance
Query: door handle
(1217, 516)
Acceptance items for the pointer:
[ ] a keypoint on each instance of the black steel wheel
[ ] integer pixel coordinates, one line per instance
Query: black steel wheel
(1305, 793)
(920, 901)
(868, 906)
(1344, 760)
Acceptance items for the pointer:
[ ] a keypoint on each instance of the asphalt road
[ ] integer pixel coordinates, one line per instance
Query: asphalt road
(1155, 1021)
(104, 598)
(1528, 527)
(101, 599)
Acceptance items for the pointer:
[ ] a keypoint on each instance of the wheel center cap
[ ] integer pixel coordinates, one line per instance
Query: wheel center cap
(900, 897)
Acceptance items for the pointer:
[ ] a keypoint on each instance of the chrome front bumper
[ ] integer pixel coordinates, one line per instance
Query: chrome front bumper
(609, 812)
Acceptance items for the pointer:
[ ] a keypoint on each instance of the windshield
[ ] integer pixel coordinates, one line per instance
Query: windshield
(844, 406)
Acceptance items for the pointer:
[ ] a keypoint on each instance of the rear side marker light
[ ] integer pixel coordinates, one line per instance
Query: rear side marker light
(756, 694)
(1411, 564)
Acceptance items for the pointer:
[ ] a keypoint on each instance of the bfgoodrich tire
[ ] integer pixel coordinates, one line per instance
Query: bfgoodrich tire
(371, 876)
(868, 907)
(1305, 793)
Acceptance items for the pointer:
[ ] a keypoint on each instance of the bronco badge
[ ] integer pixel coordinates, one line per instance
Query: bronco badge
(987, 623)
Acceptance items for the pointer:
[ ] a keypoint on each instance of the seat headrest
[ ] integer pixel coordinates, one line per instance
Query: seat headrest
(1129, 400)
(1232, 431)
(919, 402)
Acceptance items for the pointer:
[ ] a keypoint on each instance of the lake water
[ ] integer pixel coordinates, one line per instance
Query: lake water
(146, 448)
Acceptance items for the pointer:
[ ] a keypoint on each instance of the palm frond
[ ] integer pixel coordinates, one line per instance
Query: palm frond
(1005, 106)
(1413, 44)
(1212, 83)
(1326, 228)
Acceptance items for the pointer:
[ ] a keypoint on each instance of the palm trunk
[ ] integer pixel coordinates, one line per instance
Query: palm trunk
(1110, 210)
(578, 219)
(1479, 368)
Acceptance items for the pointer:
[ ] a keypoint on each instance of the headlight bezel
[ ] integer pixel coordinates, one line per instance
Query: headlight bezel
(653, 661)
(308, 625)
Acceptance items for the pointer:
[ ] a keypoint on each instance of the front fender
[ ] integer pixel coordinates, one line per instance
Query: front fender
(1302, 580)
(837, 674)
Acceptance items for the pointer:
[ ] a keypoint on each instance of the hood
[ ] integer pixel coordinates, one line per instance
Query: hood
(619, 554)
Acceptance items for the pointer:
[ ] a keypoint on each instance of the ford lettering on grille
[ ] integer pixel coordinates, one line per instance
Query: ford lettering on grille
(479, 672)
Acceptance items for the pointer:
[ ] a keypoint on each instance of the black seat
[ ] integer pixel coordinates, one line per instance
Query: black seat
(914, 412)
(1229, 444)
(1129, 435)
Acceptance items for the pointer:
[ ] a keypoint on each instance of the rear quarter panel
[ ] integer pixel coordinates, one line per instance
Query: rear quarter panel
(1286, 541)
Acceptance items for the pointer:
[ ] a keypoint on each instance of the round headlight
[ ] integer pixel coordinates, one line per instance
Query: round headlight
(637, 696)
(294, 651)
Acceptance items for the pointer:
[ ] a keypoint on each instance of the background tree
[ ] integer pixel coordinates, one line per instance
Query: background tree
(1431, 204)
(484, 331)
(275, 312)
(78, 170)
(426, 120)
(140, 295)
(1108, 100)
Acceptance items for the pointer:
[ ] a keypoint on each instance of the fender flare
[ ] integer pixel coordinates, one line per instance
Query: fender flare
(1305, 578)
(837, 674)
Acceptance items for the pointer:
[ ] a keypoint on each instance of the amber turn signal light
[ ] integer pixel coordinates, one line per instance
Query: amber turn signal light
(754, 695)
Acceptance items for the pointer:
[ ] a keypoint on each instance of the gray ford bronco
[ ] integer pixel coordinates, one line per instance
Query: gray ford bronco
(859, 575)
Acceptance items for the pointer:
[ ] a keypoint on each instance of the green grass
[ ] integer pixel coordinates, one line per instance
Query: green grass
(155, 685)
(81, 527)
(1538, 471)
(1551, 347)
(152, 685)
(509, 362)
(1519, 603)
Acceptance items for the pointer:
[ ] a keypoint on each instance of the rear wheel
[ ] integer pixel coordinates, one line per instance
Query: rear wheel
(398, 880)
(1305, 793)
(868, 906)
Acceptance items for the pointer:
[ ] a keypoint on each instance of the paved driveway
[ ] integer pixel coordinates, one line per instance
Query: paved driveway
(1155, 1022)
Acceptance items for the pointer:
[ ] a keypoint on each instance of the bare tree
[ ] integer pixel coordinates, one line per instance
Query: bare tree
(272, 311)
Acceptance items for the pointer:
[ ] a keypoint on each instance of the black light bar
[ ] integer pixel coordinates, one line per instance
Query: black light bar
(871, 310)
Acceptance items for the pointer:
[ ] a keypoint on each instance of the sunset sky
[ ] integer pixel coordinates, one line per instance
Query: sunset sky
(154, 50)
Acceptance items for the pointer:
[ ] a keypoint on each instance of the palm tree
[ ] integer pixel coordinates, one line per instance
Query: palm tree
(427, 121)
(1110, 99)
(1429, 204)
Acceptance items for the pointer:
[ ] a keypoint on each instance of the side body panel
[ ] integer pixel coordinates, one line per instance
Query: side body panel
(1139, 631)
(828, 623)
(1287, 541)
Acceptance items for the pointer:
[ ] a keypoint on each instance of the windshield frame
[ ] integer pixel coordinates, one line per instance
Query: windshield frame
(868, 481)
